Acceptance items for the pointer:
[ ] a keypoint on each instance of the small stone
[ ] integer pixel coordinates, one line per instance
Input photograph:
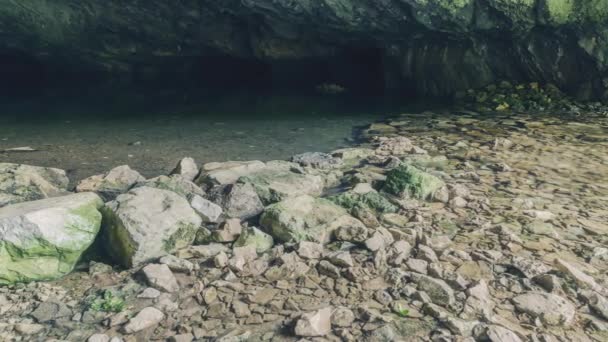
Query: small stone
(229, 231)
(341, 259)
(160, 277)
(176, 264)
(352, 233)
(220, 260)
(146, 318)
(240, 309)
(310, 250)
(376, 242)
(207, 210)
(28, 328)
(99, 338)
(328, 269)
(313, 324)
(417, 265)
(149, 293)
(50, 311)
(342, 317)
(186, 168)
(181, 338)
(252, 236)
(439, 291)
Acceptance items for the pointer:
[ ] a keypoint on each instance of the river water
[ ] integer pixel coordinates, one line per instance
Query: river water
(90, 132)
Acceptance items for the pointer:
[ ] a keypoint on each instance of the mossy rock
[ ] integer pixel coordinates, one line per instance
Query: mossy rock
(411, 182)
(372, 200)
(44, 239)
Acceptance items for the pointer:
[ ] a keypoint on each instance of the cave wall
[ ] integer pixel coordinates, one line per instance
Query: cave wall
(429, 47)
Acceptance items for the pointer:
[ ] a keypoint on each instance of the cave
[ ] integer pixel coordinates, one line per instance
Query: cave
(304, 170)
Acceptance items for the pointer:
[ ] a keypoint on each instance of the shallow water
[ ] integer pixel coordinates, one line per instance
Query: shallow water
(90, 132)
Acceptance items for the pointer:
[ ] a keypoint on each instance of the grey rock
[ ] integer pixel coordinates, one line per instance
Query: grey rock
(551, 309)
(237, 200)
(317, 160)
(111, 184)
(22, 183)
(160, 277)
(207, 210)
(313, 324)
(186, 168)
(146, 318)
(148, 223)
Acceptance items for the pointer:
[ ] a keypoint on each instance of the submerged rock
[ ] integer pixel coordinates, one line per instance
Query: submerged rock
(22, 183)
(411, 182)
(304, 218)
(147, 223)
(44, 239)
(117, 181)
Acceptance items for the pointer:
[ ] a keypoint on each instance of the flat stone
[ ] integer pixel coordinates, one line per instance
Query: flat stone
(160, 277)
(342, 317)
(313, 324)
(50, 311)
(582, 280)
(177, 264)
(146, 318)
(551, 309)
(174, 183)
(341, 259)
(227, 172)
(207, 210)
(310, 250)
(438, 290)
(111, 184)
(317, 160)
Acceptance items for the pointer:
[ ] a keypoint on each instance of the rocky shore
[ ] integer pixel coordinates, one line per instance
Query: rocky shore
(472, 228)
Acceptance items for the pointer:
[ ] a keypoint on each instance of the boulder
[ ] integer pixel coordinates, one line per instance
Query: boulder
(410, 182)
(317, 323)
(44, 239)
(237, 200)
(148, 223)
(551, 309)
(22, 183)
(304, 218)
(275, 184)
(109, 185)
(175, 183)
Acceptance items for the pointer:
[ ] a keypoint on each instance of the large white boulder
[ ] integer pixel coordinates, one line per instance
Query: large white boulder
(44, 239)
(148, 223)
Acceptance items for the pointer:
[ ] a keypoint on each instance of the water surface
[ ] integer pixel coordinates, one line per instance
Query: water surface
(89, 132)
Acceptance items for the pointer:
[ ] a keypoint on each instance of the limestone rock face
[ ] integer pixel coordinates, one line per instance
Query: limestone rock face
(22, 183)
(304, 218)
(117, 181)
(148, 223)
(44, 239)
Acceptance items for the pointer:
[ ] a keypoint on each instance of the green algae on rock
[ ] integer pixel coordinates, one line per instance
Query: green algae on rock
(148, 223)
(409, 181)
(252, 236)
(371, 200)
(43, 240)
(303, 218)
